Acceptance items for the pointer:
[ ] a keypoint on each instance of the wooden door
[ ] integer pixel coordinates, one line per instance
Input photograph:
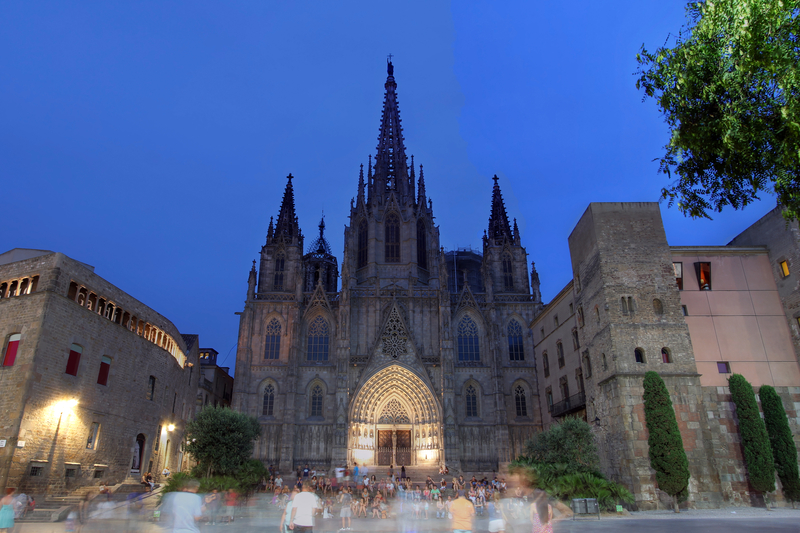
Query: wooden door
(384, 447)
(403, 450)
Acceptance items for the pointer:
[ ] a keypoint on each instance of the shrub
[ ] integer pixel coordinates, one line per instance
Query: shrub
(570, 443)
(784, 451)
(755, 441)
(667, 456)
(221, 440)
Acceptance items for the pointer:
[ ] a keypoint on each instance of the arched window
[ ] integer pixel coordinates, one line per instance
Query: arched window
(472, 401)
(318, 339)
(363, 239)
(521, 401)
(279, 266)
(515, 348)
(658, 307)
(316, 401)
(638, 354)
(269, 400)
(273, 340)
(422, 245)
(666, 357)
(74, 359)
(508, 273)
(468, 348)
(392, 239)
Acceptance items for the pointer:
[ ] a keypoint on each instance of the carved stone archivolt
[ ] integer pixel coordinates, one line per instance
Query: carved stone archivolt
(395, 382)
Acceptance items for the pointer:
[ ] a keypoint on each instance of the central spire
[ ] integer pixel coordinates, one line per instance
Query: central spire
(391, 168)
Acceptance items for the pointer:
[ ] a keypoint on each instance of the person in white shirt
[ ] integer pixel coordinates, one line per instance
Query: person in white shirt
(303, 509)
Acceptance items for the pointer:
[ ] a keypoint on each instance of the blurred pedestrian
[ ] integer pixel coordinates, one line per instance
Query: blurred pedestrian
(186, 508)
(7, 511)
(303, 509)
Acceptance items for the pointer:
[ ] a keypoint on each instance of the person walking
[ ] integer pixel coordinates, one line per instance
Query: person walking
(303, 509)
(7, 511)
(462, 511)
(345, 501)
(542, 516)
(185, 507)
(286, 517)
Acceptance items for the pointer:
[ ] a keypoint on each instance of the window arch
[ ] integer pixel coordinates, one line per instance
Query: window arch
(317, 396)
(515, 346)
(268, 408)
(272, 347)
(520, 401)
(471, 396)
(638, 354)
(468, 344)
(318, 339)
(666, 356)
(658, 307)
(508, 273)
(422, 244)
(280, 261)
(363, 240)
(392, 241)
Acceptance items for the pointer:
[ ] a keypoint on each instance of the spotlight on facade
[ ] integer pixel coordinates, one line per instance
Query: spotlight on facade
(171, 427)
(65, 406)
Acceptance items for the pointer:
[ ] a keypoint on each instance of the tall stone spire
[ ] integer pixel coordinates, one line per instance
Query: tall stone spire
(499, 228)
(361, 199)
(286, 228)
(421, 188)
(391, 167)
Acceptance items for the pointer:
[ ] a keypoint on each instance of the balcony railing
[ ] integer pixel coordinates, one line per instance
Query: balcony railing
(571, 404)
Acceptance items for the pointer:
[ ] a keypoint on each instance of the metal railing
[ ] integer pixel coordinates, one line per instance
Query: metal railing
(573, 403)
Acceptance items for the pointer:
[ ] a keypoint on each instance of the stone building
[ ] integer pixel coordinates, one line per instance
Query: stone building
(421, 357)
(94, 385)
(694, 315)
(216, 383)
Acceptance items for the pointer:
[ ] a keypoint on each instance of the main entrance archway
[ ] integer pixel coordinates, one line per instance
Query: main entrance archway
(395, 419)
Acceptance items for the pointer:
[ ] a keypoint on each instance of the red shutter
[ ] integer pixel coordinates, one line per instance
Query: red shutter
(73, 362)
(11, 350)
(102, 377)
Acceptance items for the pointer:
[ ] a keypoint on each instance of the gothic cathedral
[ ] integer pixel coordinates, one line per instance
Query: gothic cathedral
(422, 357)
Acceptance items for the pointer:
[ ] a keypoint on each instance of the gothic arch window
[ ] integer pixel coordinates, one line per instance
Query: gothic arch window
(318, 338)
(279, 267)
(392, 241)
(268, 408)
(515, 347)
(363, 241)
(468, 344)
(422, 245)
(520, 401)
(471, 396)
(315, 409)
(508, 273)
(273, 340)
(638, 355)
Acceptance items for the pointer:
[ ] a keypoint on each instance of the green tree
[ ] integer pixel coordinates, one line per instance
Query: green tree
(569, 443)
(784, 450)
(221, 440)
(729, 91)
(667, 456)
(755, 441)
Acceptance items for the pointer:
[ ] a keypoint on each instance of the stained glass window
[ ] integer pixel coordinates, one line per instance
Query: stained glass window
(318, 340)
(515, 348)
(273, 340)
(521, 401)
(269, 400)
(472, 401)
(468, 347)
(316, 401)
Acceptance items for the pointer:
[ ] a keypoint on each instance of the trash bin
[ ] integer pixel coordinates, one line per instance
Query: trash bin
(585, 506)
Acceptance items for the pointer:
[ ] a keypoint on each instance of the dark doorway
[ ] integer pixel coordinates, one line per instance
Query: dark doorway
(138, 454)
(403, 450)
(384, 447)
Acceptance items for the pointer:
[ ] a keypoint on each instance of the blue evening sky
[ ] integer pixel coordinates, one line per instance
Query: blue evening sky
(152, 139)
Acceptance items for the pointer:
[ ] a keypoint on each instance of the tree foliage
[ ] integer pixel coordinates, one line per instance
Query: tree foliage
(729, 91)
(569, 443)
(755, 441)
(784, 450)
(667, 456)
(221, 440)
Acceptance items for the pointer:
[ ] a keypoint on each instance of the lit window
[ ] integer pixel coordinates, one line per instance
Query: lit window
(269, 400)
(724, 367)
(678, 269)
(515, 347)
(105, 367)
(521, 401)
(784, 268)
(94, 431)
(638, 354)
(11, 349)
(703, 275)
(318, 339)
(665, 356)
(392, 242)
(468, 347)
(74, 359)
(472, 401)
(273, 340)
(316, 401)
(546, 365)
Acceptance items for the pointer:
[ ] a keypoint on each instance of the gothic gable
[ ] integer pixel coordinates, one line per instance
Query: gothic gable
(394, 344)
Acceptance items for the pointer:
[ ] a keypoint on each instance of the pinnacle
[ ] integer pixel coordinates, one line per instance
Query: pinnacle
(499, 228)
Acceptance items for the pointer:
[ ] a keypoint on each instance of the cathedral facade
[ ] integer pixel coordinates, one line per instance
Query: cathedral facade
(420, 357)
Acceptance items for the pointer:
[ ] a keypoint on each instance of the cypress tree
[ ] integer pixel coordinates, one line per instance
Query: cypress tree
(667, 456)
(780, 438)
(755, 441)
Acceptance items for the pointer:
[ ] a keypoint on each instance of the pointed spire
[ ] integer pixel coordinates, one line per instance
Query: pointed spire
(361, 185)
(499, 228)
(270, 230)
(321, 247)
(391, 167)
(516, 232)
(421, 188)
(286, 228)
